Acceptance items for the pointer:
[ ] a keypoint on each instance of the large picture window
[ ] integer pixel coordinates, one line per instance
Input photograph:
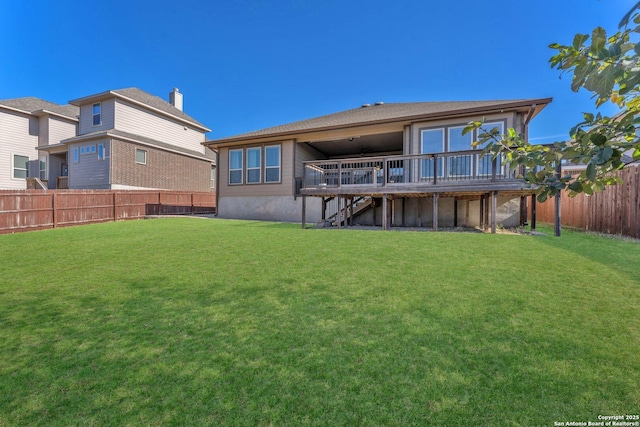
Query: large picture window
(20, 167)
(432, 142)
(460, 165)
(272, 163)
(485, 164)
(235, 166)
(254, 165)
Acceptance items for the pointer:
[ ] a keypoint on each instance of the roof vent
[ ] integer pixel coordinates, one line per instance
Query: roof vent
(379, 103)
(365, 105)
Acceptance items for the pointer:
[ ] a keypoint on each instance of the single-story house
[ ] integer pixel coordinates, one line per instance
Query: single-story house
(386, 164)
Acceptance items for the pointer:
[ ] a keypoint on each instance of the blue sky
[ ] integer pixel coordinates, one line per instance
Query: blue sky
(248, 64)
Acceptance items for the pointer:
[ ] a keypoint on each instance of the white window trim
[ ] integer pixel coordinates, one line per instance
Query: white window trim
(76, 155)
(101, 152)
(241, 168)
(93, 115)
(43, 159)
(279, 167)
(253, 168)
(145, 156)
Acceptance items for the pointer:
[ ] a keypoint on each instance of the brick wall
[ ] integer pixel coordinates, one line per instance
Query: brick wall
(163, 170)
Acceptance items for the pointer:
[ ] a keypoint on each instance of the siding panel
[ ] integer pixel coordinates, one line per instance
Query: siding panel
(86, 117)
(135, 120)
(18, 136)
(89, 172)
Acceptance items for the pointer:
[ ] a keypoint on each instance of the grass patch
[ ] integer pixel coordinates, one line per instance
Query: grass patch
(185, 322)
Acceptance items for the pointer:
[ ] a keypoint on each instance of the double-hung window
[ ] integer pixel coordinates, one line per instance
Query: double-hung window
(97, 114)
(235, 166)
(20, 167)
(254, 165)
(272, 163)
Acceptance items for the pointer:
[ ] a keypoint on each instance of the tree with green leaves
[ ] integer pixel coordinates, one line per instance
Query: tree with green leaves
(609, 67)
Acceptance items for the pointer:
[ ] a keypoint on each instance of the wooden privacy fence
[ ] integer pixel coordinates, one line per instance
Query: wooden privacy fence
(36, 209)
(615, 210)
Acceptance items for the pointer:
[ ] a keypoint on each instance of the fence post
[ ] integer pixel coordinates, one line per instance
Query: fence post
(54, 208)
(115, 210)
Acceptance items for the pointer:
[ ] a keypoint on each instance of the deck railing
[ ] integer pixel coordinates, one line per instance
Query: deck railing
(429, 169)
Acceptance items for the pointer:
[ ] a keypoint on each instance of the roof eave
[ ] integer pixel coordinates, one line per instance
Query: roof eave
(539, 103)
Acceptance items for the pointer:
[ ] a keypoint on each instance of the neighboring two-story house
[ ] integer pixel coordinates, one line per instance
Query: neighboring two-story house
(25, 125)
(405, 164)
(118, 139)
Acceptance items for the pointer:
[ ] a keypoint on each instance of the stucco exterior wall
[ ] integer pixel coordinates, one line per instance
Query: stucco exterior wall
(269, 208)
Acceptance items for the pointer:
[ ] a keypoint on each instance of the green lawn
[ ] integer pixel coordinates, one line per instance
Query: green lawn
(213, 322)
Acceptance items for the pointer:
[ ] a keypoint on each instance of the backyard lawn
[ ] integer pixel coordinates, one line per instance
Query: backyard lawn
(216, 322)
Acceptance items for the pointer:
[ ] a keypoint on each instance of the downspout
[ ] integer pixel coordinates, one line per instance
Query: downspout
(217, 181)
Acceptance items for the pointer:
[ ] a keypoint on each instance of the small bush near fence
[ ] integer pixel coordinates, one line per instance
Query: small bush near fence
(36, 210)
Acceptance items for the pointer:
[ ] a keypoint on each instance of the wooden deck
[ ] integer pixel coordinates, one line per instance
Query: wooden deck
(455, 173)
(462, 175)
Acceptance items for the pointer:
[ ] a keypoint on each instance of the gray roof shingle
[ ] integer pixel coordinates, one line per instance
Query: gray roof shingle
(32, 104)
(382, 112)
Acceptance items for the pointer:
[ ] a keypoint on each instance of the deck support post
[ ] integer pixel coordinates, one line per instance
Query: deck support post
(385, 212)
(404, 204)
(494, 205)
(323, 215)
(481, 223)
(533, 212)
(455, 212)
(435, 211)
(486, 212)
(419, 212)
(304, 212)
(350, 210)
(339, 212)
(523, 211)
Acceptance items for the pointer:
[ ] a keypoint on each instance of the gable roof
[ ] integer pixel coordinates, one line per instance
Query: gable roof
(145, 99)
(387, 113)
(33, 105)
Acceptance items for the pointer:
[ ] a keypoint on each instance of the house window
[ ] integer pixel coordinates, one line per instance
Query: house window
(97, 114)
(254, 165)
(20, 167)
(432, 142)
(141, 156)
(213, 176)
(485, 164)
(460, 165)
(235, 166)
(272, 163)
(100, 151)
(43, 167)
(76, 155)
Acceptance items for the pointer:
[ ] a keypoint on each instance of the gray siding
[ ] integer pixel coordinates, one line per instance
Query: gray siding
(304, 153)
(135, 120)
(60, 129)
(18, 136)
(89, 172)
(86, 117)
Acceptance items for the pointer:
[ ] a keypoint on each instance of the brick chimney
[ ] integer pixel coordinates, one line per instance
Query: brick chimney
(175, 98)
